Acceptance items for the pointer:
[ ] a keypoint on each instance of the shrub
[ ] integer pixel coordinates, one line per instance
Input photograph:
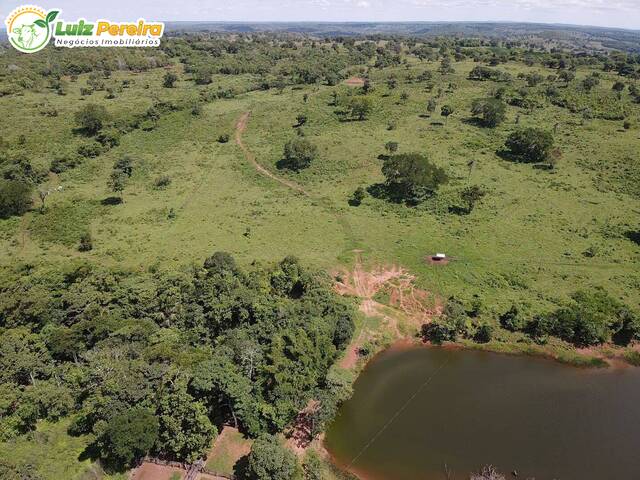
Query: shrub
(86, 242)
(91, 118)
(484, 333)
(391, 147)
(169, 80)
(512, 320)
(446, 110)
(531, 145)
(162, 182)
(360, 107)
(357, 197)
(63, 162)
(202, 76)
(224, 138)
(90, 149)
(591, 318)
(438, 332)
(196, 109)
(15, 197)
(109, 137)
(298, 154)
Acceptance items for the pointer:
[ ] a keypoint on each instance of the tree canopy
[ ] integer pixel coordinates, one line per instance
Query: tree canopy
(412, 177)
(269, 460)
(161, 358)
(298, 154)
(491, 111)
(530, 145)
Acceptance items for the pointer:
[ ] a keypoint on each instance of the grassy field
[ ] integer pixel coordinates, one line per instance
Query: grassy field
(53, 454)
(525, 243)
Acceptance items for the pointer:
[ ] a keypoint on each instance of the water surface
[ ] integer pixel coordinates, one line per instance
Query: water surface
(416, 412)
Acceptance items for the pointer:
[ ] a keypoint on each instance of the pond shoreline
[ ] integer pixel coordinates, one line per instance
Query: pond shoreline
(538, 376)
(591, 364)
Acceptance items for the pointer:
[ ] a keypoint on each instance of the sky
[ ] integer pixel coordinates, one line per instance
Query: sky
(608, 13)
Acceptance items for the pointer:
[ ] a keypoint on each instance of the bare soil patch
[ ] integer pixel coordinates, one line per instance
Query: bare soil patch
(354, 82)
(299, 435)
(407, 306)
(152, 471)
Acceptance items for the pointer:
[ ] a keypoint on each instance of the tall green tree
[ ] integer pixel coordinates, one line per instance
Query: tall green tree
(412, 177)
(269, 460)
(491, 111)
(185, 431)
(360, 107)
(530, 145)
(128, 437)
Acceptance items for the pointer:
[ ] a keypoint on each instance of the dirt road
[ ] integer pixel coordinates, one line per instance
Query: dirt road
(241, 126)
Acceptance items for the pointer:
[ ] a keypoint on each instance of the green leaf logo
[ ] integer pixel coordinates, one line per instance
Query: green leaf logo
(41, 23)
(51, 16)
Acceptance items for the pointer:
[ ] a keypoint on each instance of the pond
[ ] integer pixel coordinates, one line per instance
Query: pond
(417, 413)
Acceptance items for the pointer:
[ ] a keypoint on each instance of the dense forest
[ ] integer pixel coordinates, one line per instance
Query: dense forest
(152, 363)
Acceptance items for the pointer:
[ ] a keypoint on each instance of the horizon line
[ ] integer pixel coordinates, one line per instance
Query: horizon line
(394, 22)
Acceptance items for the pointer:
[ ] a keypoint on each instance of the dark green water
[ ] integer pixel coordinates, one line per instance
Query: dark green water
(539, 417)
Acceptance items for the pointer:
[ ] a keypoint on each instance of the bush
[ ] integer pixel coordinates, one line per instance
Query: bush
(224, 138)
(360, 107)
(298, 154)
(162, 182)
(15, 197)
(484, 333)
(438, 332)
(591, 318)
(86, 242)
(109, 137)
(202, 76)
(196, 109)
(169, 80)
(512, 320)
(312, 466)
(90, 149)
(91, 118)
(357, 197)
(63, 162)
(530, 145)
(391, 147)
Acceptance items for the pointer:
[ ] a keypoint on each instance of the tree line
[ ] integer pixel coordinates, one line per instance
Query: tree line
(157, 363)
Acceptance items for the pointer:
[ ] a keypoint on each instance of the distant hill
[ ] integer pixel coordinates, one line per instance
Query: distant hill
(594, 37)
(576, 35)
